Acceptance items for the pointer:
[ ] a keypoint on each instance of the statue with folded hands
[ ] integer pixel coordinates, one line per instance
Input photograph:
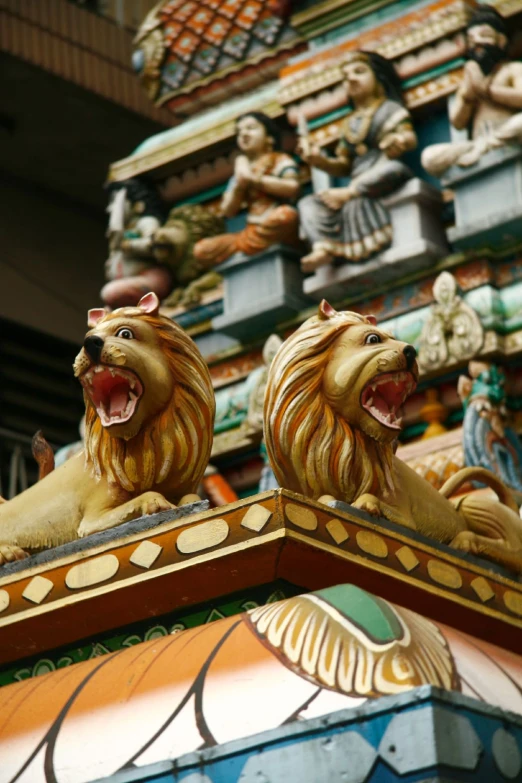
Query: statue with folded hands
(488, 101)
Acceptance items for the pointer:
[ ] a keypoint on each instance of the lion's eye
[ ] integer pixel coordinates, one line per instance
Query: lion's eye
(125, 333)
(372, 339)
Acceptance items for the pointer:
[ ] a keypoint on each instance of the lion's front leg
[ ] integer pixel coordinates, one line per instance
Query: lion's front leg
(370, 504)
(148, 503)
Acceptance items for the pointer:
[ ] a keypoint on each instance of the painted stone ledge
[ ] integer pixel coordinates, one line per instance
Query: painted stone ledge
(270, 536)
(251, 673)
(427, 730)
(418, 243)
(495, 180)
(260, 292)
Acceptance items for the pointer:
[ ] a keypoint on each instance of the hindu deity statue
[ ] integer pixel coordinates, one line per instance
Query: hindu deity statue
(488, 101)
(350, 222)
(488, 438)
(266, 184)
(152, 248)
(136, 212)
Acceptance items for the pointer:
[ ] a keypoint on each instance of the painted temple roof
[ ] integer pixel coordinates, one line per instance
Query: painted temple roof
(289, 661)
(188, 45)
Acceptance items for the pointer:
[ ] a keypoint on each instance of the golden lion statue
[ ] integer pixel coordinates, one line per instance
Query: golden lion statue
(332, 413)
(149, 422)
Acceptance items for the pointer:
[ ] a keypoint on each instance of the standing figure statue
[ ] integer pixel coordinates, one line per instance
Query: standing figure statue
(351, 223)
(488, 101)
(136, 212)
(265, 182)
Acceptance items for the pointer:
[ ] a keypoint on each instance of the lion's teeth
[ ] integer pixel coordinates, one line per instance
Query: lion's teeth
(132, 384)
(98, 369)
(132, 396)
(374, 387)
(370, 402)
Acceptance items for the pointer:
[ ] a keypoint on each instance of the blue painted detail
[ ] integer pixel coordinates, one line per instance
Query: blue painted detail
(199, 314)
(462, 741)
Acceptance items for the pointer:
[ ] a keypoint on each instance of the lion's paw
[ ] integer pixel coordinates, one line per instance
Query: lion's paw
(153, 503)
(9, 553)
(465, 541)
(368, 503)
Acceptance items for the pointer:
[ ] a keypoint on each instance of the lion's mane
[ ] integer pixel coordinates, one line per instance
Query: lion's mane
(311, 448)
(176, 441)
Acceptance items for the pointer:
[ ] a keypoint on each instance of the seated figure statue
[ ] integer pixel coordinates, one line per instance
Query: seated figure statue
(265, 182)
(350, 222)
(488, 101)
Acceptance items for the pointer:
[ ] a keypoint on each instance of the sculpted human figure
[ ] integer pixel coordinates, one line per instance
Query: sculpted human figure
(135, 214)
(489, 99)
(151, 253)
(350, 223)
(333, 410)
(266, 183)
(148, 433)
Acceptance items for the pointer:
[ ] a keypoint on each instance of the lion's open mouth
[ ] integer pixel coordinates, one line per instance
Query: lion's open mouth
(114, 393)
(384, 395)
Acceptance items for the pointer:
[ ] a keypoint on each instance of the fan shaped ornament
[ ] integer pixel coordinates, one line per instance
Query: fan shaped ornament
(453, 332)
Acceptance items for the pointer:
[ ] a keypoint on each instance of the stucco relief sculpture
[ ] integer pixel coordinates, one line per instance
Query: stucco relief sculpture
(351, 223)
(148, 433)
(488, 438)
(151, 249)
(452, 331)
(332, 413)
(266, 184)
(488, 101)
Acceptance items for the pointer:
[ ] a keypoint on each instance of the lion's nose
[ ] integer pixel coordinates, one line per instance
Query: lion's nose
(93, 347)
(411, 354)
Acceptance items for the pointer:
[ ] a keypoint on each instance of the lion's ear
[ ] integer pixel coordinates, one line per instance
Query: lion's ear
(372, 319)
(326, 310)
(95, 315)
(149, 304)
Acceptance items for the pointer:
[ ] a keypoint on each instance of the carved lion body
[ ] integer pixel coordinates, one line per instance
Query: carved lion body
(332, 413)
(149, 422)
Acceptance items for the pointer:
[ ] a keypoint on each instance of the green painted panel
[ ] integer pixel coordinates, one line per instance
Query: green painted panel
(147, 630)
(373, 616)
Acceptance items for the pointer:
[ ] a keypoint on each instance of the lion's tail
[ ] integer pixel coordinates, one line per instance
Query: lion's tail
(485, 477)
(43, 455)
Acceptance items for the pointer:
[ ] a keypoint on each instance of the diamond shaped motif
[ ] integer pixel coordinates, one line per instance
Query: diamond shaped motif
(206, 59)
(230, 8)
(237, 43)
(185, 11)
(186, 45)
(171, 32)
(173, 74)
(249, 14)
(199, 22)
(268, 30)
(217, 31)
(38, 589)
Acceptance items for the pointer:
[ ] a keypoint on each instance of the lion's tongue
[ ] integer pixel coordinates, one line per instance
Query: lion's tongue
(118, 399)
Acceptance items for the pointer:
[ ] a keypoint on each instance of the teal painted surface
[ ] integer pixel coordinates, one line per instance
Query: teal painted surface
(367, 22)
(365, 610)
